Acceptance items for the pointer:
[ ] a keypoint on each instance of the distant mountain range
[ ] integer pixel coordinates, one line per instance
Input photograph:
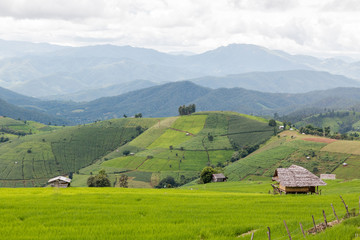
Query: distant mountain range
(292, 81)
(164, 100)
(43, 70)
(113, 90)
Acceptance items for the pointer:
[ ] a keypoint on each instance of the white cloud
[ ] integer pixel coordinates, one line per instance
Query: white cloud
(307, 26)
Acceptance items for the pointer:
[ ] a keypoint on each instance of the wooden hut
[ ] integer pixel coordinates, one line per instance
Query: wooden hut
(296, 179)
(60, 181)
(219, 177)
(328, 176)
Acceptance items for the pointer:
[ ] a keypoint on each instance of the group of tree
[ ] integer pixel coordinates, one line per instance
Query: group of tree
(13, 132)
(4, 139)
(187, 110)
(100, 180)
(170, 182)
(311, 130)
(138, 115)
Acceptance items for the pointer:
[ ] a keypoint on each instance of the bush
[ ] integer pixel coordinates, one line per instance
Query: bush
(206, 174)
(100, 180)
(168, 182)
(272, 123)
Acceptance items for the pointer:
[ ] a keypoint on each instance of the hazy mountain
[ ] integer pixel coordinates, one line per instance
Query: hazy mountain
(17, 48)
(163, 100)
(293, 81)
(16, 98)
(73, 69)
(241, 58)
(92, 94)
(15, 112)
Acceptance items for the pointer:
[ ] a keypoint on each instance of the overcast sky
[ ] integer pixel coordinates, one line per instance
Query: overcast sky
(316, 27)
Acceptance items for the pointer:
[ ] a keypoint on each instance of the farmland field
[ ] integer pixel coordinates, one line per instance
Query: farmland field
(31, 160)
(181, 147)
(211, 211)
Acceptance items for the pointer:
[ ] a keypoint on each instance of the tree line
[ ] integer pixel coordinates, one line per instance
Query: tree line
(187, 110)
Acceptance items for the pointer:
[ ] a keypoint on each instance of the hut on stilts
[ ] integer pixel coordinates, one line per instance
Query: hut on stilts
(296, 179)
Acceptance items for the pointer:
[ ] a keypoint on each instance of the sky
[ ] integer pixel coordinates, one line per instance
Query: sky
(314, 27)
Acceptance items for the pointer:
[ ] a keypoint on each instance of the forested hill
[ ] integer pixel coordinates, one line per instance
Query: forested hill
(10, 110)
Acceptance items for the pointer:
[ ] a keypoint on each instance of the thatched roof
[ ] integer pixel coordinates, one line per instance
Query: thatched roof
(296, 176)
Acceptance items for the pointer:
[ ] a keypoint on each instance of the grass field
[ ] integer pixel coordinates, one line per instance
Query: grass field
(347, 147)
(245, 131)
(212, 211)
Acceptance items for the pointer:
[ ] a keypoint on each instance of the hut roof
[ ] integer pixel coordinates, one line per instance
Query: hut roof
(61, 178)
(219, 175)
(296, 176)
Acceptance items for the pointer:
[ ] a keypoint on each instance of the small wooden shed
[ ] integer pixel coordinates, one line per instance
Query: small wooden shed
(60, 181)
(328, 176)
(296, 179)
(219, 177)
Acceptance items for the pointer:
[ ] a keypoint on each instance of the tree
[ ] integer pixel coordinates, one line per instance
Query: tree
(126, 152)
(168, 182)
(125, 116)
(139, 115)
(206, 174)
(100, 180)
(124, 181)
(272, 123)
(210, 137)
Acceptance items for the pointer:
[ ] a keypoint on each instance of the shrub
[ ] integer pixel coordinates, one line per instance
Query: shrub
(100, 180)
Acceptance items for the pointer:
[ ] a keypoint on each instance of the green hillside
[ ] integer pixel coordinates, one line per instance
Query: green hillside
(338, 121)
(181, 147)
(16, 112)
(32, 159)
(317, 154)
(157, 147)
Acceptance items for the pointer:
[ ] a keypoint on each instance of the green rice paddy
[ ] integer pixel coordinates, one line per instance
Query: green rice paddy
(211, 211)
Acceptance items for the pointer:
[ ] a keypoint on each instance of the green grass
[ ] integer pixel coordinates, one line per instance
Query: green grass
(348, 147)
(217, 125)
(148, 137)
(191, 124)
(212, 211)
(351, 171)
(244, 131)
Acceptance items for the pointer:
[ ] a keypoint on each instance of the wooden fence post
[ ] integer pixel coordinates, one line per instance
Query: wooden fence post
(252, 235)
(302, 230)
(268, 233)
(334, 213)
(314, 223)
(346, 207)
(325, 219)
(287, 229)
